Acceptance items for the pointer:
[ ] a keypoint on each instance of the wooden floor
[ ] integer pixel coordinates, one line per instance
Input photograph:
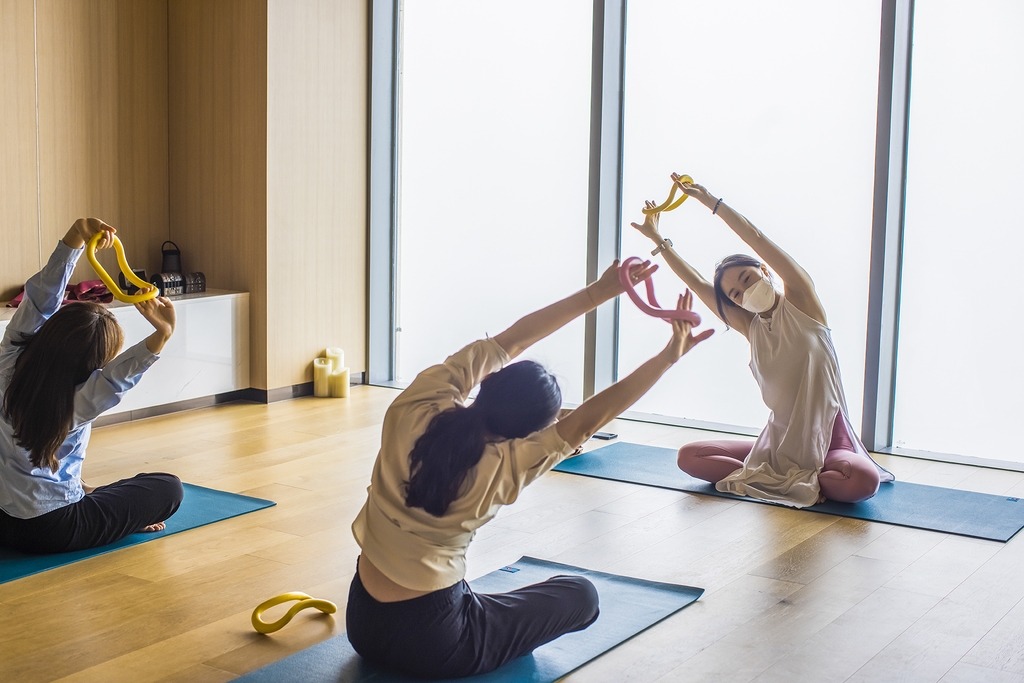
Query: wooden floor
(791, 596)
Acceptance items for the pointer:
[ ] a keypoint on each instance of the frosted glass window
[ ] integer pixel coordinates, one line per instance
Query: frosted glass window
(771, 106)
(493, 170)
(960, 367)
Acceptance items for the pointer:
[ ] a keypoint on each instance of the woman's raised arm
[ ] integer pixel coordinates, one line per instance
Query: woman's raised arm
(736, 318)
(44, 291)
(799, 286)
(605, 406)
(530, 329)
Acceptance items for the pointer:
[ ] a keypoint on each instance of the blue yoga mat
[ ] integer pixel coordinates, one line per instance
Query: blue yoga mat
(199, 507)
(966, 513)
(628, 606)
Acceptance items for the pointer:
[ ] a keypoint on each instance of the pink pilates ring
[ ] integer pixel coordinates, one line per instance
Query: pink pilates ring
(653, 308)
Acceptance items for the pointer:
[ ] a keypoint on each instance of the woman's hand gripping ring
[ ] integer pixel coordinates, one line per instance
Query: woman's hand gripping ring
(668, 204)
(148, 290)
(653, 308)
(304, 601)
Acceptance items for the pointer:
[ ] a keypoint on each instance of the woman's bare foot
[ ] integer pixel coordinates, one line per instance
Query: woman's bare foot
(159, 526)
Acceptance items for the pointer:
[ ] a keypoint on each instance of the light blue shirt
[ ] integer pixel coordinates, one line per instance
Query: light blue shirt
(26, 491)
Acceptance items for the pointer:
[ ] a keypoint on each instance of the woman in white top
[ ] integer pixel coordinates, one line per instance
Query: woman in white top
(808, 451)
(445, 468)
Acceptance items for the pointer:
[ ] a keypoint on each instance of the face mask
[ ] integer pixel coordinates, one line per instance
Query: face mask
(759, 297)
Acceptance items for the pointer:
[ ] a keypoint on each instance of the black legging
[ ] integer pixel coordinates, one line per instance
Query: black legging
(106, 515)
(455, 632)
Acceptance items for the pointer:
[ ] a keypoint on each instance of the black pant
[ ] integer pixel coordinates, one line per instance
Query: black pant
(106, 515)
(455, 632)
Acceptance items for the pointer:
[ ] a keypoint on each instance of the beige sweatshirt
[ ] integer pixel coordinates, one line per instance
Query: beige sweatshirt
(409, 545)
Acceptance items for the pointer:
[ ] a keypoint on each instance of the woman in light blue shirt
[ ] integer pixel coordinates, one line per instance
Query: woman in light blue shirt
(59, 370)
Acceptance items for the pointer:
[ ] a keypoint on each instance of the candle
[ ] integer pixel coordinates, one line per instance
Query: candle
(337, 358)
(321, 377)
(339, 383)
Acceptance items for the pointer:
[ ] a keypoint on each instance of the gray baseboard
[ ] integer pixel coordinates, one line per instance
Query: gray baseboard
(250, 395)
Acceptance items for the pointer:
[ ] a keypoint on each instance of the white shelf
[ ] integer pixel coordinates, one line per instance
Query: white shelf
(207, 355)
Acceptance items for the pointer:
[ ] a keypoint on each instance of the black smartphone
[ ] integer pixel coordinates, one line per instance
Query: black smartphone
(605, 436)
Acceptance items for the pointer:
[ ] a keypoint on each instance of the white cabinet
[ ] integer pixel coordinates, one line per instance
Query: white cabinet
(207, 355)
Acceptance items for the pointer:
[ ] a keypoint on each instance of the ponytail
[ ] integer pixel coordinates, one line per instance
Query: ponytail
(452, 445)
(514, 402)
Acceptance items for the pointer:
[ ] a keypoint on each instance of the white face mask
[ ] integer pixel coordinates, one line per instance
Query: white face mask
(759, 297)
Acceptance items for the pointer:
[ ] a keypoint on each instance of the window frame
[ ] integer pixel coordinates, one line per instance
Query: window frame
(605, 213)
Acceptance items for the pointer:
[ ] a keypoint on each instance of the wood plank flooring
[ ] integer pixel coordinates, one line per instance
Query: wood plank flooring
(791, 596)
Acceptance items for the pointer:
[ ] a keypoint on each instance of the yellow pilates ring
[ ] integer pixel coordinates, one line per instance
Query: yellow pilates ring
(669, 204)
(148, 290)
(304, 602)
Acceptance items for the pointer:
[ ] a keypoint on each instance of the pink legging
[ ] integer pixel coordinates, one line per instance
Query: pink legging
(847, 477)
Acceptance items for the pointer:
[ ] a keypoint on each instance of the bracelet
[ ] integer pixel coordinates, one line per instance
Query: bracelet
(665, 244)
(715, 210)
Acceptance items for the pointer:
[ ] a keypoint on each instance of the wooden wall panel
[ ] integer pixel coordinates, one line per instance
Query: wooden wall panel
(217, 81)
(142, 168)
(19, 230)
(317, 118)
(103, 122)
(160, 116)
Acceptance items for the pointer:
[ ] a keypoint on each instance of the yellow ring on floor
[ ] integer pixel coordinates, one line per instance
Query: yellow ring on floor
(148, 290)
(304, 601)
(668, 205)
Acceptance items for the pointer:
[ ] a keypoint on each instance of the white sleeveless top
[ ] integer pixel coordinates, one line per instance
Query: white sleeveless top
(795, 364)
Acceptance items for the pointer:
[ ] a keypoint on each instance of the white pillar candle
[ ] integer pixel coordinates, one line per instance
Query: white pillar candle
(321, 377)
(337, 358)
(339, 383)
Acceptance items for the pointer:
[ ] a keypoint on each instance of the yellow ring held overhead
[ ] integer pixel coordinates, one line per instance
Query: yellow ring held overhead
(668, 205)
(304, 602)
(149, 291)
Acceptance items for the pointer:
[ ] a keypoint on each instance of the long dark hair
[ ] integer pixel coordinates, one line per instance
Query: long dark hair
(40, 400)
(514, 402)
(721, 298)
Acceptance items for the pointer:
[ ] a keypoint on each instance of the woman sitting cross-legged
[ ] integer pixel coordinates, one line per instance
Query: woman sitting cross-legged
(808, 451)
(60, 368)
(444, 470)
